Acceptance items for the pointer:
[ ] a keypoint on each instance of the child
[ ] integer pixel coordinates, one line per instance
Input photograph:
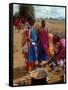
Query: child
(42, 45)
(51, 46)
(51, 52)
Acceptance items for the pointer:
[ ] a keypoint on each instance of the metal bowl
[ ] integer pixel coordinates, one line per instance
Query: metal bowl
(38, 73)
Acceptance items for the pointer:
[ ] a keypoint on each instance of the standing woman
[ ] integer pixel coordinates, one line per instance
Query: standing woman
(42, 45)
(25, 40)
(32, 48)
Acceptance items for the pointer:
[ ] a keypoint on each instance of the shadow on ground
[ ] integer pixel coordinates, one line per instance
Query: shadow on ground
(19, 72)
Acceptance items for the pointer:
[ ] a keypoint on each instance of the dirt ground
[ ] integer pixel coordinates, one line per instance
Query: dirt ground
(19, 72)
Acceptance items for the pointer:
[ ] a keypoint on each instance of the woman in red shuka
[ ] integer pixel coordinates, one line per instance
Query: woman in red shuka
(42, 46)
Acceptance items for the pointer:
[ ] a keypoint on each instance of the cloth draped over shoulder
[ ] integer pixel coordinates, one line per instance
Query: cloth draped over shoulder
(42, 46)
(32, 49)
(44, 40)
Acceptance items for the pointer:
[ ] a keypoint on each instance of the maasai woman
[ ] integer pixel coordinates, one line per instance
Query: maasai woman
(60, 47)
(32, 48)
(25, 41)
(59, 50)
(43, 43)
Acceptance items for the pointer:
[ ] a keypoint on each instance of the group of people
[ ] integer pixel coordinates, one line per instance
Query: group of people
(39, 46)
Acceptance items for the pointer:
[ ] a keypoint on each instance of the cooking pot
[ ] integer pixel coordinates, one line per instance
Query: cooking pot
(39, 77)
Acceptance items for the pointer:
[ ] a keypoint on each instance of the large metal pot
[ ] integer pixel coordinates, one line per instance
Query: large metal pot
(39, 77)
